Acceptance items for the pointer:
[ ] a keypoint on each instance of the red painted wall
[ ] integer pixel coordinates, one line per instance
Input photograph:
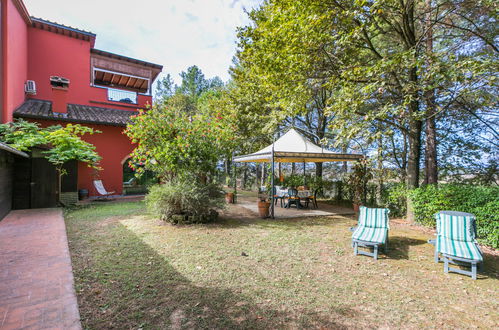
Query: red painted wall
(14, 58)
(32, 54)
(113, 146)
(52, 54)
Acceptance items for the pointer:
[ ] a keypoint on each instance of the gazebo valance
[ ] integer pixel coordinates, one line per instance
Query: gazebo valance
(293, 147)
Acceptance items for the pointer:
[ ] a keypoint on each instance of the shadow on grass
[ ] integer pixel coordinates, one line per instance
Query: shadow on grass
(230, 222)
(124, 283)
(399, 249)
(399, 246)
(490, 266)
(489, 269)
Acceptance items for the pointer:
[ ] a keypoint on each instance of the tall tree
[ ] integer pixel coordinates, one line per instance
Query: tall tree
(194, 82)
(390, 68)
(165, 88)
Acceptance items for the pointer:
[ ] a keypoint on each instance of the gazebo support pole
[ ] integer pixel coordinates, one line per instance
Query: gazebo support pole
(235, 180)
(272, 189)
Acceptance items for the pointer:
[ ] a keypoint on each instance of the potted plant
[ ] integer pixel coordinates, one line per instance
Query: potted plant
(229, 197)
(263, 207)
(357, 181)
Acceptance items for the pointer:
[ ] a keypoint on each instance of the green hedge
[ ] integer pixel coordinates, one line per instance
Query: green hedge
(482, 201)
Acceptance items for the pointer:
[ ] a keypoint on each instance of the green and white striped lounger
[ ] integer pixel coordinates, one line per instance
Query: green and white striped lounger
(456, 241)
(371, 231)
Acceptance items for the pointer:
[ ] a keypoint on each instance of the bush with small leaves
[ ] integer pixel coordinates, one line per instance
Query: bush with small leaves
(183, 202)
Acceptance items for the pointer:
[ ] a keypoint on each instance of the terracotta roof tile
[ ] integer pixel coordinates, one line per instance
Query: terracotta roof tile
(40, 109)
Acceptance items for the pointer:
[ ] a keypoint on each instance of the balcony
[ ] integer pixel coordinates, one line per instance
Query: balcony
(117, 95)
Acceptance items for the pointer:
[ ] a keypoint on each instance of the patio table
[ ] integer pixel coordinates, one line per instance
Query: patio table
(302, 194)
(281, 192)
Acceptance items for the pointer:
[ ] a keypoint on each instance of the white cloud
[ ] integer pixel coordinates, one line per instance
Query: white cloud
(173, 33)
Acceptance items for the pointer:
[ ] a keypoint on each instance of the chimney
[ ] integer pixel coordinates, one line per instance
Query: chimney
(60, 88)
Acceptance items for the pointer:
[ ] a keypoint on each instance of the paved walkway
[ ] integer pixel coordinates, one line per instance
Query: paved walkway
(36, 279)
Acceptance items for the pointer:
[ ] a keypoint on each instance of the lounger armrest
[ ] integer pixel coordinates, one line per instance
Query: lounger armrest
(352, 229)
(432, 241)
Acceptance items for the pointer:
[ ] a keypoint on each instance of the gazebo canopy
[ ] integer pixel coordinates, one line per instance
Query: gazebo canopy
(293, 147)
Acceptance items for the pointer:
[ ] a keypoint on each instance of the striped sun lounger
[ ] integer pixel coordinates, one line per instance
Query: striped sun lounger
(456, 242)
(371, 231)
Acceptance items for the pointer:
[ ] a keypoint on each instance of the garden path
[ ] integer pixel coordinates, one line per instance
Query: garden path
(36, 279)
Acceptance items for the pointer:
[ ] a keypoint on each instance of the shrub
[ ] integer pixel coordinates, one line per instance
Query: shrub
(395, 198)
(292, 181)
(185, 202)
(488, 223)
(481, 201)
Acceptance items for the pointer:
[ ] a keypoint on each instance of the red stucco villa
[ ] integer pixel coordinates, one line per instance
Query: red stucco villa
(52, 74)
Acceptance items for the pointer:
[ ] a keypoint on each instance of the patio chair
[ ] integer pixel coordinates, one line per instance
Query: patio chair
(293, 198)
(130, 182)
(104, 194)
(313, 198)
(276, 196)
(371, 231)
(456, 242)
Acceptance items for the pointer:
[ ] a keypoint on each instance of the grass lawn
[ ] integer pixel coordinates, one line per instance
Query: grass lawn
(133, 271)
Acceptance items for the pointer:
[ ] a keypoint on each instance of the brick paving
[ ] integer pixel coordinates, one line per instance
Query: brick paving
(36, 279)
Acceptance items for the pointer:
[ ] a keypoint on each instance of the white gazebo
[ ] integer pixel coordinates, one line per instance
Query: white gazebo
(293, 147)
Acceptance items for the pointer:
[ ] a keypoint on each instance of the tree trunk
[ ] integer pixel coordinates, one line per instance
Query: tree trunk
(318, 170)
(415, 127)
(264, 174)
(228, 167)
(379, 194)
(431, 166)
(344, 167)
(414, 157)
(258, 176)
(293, 168)
(413, 162)
(245, 176)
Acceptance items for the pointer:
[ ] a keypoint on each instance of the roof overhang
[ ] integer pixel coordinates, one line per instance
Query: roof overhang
(76, 113)
(16, 152)
(22, 11)
(118, 80)
(99, 58)
(63, 29)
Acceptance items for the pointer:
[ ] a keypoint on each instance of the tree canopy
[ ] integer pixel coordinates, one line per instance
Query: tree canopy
(183, 135)
(386, 75)
(63, 143)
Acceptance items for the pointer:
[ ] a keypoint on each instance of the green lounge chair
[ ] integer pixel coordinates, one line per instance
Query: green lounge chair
(371, 231)
(456, 242)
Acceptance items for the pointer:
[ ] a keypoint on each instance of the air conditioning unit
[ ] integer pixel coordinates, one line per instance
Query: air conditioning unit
(30, 87)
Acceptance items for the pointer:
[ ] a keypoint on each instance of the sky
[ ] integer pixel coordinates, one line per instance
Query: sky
(173, 33)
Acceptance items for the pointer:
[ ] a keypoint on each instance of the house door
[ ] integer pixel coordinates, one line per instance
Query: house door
(43, 182)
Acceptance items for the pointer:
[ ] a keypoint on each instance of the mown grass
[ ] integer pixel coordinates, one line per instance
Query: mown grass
(133, 271)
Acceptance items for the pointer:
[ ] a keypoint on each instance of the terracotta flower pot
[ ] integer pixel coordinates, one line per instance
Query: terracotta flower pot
(229, 197)
(263, 209)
